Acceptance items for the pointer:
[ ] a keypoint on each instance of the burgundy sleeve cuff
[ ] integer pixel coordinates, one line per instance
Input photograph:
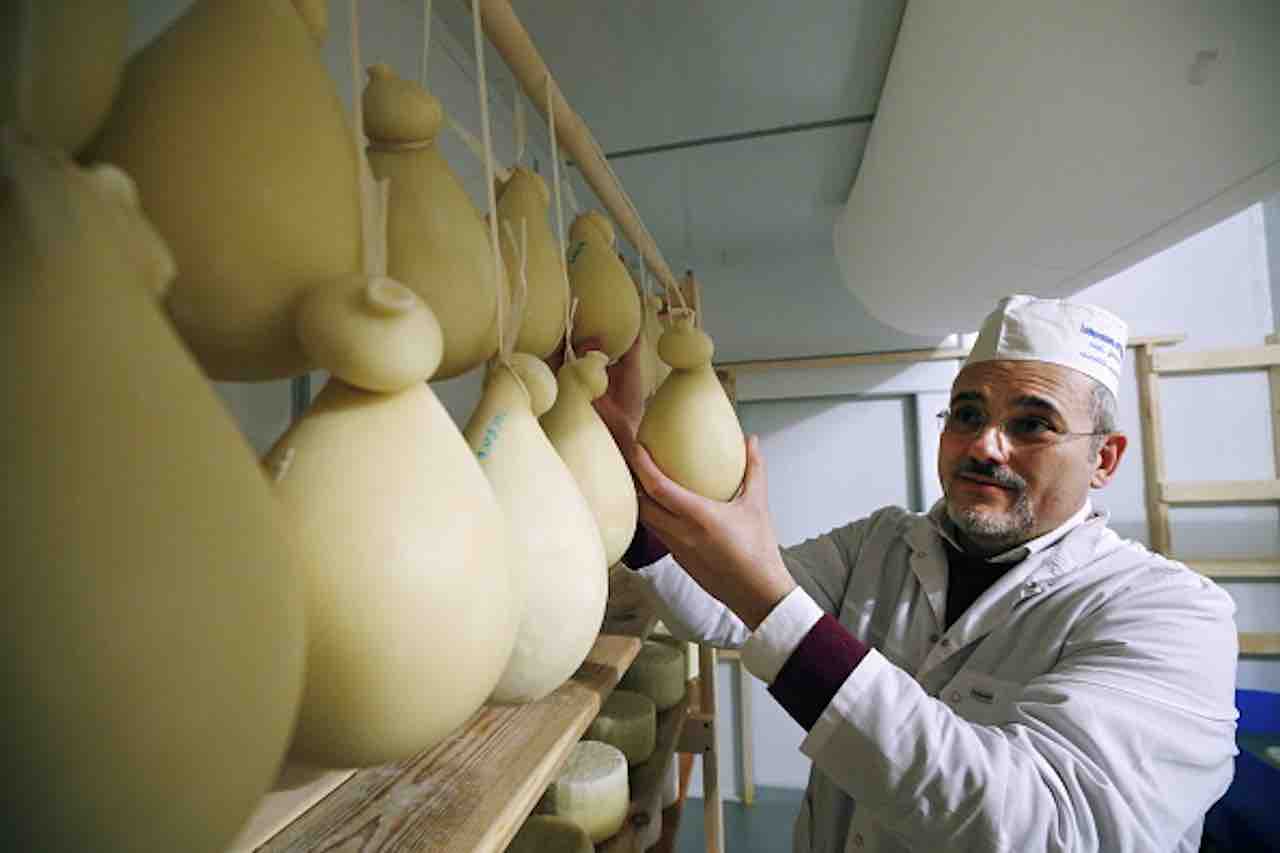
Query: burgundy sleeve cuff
(645, 549)
(816, 669)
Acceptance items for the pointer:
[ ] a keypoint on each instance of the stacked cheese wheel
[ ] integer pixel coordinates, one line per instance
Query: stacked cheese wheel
(657, 672)
(592, 790)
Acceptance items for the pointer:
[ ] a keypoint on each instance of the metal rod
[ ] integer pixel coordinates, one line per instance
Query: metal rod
(738, 137)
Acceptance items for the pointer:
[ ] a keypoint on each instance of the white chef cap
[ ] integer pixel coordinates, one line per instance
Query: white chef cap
(1079, 336)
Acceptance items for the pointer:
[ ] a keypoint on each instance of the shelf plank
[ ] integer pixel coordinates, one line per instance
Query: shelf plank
(297, 791)
(1244, 358)
(1220, 491)
(1229, 568)
(473, 791)
(1259, 644)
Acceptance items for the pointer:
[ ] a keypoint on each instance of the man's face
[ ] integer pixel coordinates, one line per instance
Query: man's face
(1001, 492)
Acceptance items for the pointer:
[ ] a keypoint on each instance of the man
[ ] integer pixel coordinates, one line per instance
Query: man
(1002, 673)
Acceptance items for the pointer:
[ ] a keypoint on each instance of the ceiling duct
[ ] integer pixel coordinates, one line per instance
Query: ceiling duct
(1039, 146)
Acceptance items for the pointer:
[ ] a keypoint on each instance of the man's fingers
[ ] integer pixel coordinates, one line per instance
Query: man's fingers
(673, 497)
(754, 480)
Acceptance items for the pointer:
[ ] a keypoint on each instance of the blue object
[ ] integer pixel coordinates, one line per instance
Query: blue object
(1247, 818)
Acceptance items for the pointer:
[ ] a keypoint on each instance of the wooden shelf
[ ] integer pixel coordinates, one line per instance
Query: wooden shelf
(646, 779)
(473, 791)
(1259, 644)
(1220, 492)
(1230, 568)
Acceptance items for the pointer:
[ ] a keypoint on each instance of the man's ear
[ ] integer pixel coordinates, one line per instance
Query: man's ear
(1109, 455)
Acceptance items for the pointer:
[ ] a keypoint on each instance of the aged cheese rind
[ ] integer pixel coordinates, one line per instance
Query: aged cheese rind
(629, 721)
(544, 833)
(658, 672)
(592, 789)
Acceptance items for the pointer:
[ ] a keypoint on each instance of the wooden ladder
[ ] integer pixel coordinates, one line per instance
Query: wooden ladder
(1161, 494)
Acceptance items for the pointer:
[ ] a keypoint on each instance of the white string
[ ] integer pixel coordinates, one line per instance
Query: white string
(555, 179)
(476, 147)
(522, 131)
(483, 88)
(426, 42)
(372, 195)
(573, 196)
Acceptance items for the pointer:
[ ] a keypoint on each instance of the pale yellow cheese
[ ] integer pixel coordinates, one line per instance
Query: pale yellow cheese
(588, 449)
(405, 557)
(60, 66)
(233, 130)
(657, 672)
(437, 242)
(608, 304)
(557, 556)
(542, 833)
(689, 427)
(523, 202)
(629, 721)
(592, 790)
(153, 623)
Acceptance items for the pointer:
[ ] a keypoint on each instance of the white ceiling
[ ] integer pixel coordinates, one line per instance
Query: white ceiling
(752, 217)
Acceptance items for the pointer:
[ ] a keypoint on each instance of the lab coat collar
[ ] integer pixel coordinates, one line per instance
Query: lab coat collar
(1044, 563)
(946, 528)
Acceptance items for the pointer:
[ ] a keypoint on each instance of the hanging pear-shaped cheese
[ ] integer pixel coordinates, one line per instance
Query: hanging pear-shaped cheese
(438, 244)
(60, 65)
(235, 135)
(585, 445)
(653, 370)
(410, 603)
(525, 198)
(608, 304)
(556, 547)
(153, 626)
(689, 427)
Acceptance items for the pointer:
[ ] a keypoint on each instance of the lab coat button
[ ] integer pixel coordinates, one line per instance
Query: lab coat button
(955, 697)
(933, 638)
(857, 839)
(946, 642)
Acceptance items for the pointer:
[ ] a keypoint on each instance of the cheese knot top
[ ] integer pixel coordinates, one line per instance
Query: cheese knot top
(523, 182)
(398, 110)
(684, 346)
(588, 370)
(593, 227)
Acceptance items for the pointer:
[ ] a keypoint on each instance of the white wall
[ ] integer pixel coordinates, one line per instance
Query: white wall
(828, 453)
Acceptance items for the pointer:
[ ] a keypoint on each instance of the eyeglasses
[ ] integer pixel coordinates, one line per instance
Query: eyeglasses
(1020, 430)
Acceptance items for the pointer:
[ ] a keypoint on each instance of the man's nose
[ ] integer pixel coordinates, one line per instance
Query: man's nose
(990, 442)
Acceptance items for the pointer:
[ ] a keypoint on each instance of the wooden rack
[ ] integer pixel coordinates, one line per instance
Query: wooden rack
(1161, 493)
(473, 791)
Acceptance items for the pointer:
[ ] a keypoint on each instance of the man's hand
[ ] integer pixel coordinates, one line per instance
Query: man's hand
(729, 548)
(621, 407)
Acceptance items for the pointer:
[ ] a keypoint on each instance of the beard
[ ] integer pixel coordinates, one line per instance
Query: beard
(995, 530)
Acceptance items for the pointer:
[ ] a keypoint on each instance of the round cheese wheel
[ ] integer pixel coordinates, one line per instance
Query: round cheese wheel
(592, 790)
(544, 833)
(629, 721)
(657, 672)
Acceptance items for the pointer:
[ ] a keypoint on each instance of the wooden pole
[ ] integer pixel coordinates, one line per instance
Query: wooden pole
(512, 41)
(1152, 451)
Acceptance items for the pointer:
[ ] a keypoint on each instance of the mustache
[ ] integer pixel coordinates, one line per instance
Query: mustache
(990, 471)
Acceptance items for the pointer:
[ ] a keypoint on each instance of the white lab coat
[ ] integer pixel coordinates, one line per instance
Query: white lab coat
(1085, 702)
